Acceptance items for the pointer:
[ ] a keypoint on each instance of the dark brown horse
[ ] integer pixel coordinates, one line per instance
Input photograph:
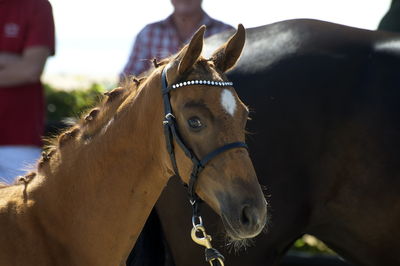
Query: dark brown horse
(324, 139)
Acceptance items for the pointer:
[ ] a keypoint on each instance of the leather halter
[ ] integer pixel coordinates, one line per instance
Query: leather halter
(171, 133)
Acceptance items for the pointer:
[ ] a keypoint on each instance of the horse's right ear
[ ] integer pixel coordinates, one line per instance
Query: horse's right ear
(191, 52)
(227, 55)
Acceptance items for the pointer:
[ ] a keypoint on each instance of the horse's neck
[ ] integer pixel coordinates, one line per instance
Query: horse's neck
(96, 196)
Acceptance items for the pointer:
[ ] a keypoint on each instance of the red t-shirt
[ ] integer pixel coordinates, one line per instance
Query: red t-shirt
(23, 24)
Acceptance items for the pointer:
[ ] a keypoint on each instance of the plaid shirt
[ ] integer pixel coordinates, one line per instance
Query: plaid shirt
(159, 40)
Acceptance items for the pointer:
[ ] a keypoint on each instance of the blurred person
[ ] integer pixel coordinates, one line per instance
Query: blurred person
(26, 41)
(164, 38)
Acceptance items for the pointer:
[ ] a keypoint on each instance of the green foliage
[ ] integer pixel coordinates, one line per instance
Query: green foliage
(310, 244)
(71, 104)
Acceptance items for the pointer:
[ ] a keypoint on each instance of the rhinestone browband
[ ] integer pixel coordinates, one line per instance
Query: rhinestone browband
(201, 82)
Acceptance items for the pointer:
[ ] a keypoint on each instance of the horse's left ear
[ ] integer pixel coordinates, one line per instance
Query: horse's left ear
(227, 55)
(191, 52)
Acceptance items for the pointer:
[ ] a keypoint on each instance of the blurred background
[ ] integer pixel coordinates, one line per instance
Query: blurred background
(94, 37)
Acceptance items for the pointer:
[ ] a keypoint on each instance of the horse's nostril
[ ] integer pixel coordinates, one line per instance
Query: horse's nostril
(246, 216)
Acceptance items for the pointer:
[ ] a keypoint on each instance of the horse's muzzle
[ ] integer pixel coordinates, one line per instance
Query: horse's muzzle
(246, 221)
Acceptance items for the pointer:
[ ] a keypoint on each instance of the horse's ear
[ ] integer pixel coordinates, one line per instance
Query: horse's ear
(227, 55)
(191, 52)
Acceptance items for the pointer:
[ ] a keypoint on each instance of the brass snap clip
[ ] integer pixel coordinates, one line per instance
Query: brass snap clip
(204, 240)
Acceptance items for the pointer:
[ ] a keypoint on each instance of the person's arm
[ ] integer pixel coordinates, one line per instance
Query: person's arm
(7, 58)
(26, 69)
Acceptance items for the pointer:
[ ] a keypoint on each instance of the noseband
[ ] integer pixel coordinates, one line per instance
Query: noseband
(171, 133)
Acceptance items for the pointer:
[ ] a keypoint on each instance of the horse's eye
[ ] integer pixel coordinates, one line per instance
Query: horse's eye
(195, 123)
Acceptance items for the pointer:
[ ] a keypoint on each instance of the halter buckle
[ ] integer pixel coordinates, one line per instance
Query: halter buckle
(168, 118)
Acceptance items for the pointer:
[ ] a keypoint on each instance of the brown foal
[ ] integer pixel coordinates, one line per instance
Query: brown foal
(93, 190)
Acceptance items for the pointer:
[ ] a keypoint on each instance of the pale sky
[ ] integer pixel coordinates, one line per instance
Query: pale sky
(94, 37)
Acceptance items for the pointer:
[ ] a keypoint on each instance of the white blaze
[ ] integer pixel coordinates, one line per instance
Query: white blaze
(228, 101)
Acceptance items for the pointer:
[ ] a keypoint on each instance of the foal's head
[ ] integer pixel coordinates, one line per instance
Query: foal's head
(210, 116)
